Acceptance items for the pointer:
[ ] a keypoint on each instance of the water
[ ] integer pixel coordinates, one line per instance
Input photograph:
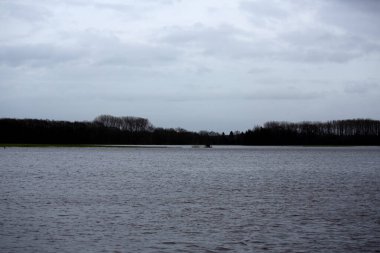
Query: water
(274, 199)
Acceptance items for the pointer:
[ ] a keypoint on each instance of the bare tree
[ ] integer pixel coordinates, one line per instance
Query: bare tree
(125, 123)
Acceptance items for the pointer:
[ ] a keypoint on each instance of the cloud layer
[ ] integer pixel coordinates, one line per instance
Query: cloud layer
(196, 64)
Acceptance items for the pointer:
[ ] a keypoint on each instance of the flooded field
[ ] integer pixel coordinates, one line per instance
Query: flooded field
(238, 199)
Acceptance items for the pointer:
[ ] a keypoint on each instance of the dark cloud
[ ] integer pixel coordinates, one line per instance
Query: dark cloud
(359, 18)
(364, 6)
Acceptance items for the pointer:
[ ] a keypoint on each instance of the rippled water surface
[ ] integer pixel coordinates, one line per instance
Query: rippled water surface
(275, 199)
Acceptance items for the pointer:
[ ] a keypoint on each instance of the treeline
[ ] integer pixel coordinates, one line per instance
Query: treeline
(107, 129)
(337, 132)
(130, 124)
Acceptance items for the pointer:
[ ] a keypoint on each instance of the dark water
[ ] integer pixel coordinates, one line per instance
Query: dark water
(190, 200)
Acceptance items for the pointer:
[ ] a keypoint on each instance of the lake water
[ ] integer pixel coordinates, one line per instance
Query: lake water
(273, 199)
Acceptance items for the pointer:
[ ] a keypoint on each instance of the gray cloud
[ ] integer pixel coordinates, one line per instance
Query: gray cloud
(88, 48)
(364, 6)
(133, 8)
(322, 46)
(354, 17)
(36, 54)
(201, 63)
(259, 70)
(30, 12)
(311, 45)
(361, 87)
(224, 41)
(264, 11)
(138, 55)
(287, 94)
(336, 35)
(125, 8)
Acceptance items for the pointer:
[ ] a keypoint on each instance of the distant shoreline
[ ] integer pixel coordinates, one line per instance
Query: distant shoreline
(139, 132)
(20, 145)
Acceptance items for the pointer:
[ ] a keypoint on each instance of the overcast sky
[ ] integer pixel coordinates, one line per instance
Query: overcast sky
(198, 64)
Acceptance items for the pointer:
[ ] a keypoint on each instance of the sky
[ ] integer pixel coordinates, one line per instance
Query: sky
(216, 65)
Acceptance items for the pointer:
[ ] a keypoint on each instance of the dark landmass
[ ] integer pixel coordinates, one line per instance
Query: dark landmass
(108, 130)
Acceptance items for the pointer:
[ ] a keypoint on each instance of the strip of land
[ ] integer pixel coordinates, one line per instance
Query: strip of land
(108, 130)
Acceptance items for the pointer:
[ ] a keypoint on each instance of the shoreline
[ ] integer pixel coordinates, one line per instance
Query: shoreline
(24, 145)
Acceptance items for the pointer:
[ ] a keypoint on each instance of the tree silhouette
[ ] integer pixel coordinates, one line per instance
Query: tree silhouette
(108, 129)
